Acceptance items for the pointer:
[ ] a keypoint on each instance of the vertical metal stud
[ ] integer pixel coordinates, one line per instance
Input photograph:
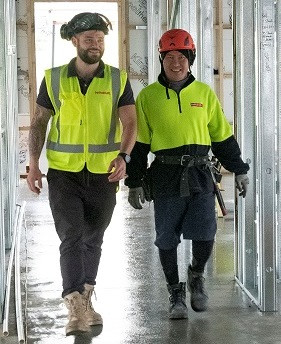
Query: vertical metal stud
(205, 39)
(188, 20)
(2, 133)
(154, 33)
(278, 74)
(266, 119)
(245, 124)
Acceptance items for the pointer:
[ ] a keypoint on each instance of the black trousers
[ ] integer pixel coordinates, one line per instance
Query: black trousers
(82, 205)
(201, 252)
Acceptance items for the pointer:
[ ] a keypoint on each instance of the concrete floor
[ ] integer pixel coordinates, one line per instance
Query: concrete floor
(131, 291)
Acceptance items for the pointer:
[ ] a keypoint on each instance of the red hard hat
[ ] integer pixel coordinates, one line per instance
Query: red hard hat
(176, 39)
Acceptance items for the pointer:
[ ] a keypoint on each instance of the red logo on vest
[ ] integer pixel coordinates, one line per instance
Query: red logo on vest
(102, 92)
(196, 104)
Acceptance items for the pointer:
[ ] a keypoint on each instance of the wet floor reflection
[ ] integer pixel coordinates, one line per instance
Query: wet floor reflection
(131, 292)
(87, 338)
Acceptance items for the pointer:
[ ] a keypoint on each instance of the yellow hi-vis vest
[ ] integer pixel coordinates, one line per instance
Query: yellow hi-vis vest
(85, 128)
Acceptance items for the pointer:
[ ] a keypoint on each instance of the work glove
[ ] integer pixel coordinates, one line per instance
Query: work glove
(135, 196)
(242, 182)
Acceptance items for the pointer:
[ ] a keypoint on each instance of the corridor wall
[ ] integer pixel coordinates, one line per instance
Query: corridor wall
(257, 84)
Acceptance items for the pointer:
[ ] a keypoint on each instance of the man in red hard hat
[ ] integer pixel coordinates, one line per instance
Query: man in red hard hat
(179, 120)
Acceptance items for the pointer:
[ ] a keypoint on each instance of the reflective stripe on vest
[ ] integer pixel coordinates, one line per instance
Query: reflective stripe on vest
(101, 148)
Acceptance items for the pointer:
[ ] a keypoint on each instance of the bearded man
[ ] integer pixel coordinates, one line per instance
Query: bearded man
(92, 133)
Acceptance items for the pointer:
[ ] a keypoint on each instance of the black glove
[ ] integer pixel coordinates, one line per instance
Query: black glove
(135, 196)
(242, 182)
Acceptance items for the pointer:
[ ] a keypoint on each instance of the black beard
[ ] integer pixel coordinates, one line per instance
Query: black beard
(83, 54)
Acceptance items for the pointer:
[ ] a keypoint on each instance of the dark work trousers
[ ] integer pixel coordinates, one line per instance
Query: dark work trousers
(82, 205)
(193, 217)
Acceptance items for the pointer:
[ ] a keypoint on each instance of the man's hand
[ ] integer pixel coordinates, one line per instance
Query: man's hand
(135, 196)
(118, 166)
(242, 182)
(37, 133)
(34, 175)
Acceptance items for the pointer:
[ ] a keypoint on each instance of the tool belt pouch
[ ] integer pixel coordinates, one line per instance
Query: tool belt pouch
(146, 185)
(184, 185)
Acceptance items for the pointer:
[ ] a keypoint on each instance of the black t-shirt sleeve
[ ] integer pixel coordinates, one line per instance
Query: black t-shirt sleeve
(43, 98)
(127, 98)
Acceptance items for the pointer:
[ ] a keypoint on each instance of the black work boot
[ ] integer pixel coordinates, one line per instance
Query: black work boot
(198, 293)
(177, 309)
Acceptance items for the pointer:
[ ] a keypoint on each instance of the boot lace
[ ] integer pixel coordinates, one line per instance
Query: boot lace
(87, 299)
(72, 305)
(177, 295)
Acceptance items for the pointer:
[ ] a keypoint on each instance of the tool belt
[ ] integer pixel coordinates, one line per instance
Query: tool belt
(186, 161)
(183, 160)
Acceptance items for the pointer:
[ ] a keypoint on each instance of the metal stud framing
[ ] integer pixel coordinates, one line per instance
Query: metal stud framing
(196, 16)
(154, 32)
(2, 154)
(9, 131)
(244, 108)
(205, 42)
(278, 73)
(256, 99)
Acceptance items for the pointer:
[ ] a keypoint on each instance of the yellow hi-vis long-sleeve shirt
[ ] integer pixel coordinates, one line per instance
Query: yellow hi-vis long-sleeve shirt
(189, 122)
(192, 117)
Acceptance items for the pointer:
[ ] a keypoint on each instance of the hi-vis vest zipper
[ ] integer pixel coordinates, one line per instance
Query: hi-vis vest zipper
(85, 129)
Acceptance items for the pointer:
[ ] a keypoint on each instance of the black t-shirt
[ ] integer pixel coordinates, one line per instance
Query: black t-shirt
(43, 99)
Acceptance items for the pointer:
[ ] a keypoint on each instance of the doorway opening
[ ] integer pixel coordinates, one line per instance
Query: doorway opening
(52, 51)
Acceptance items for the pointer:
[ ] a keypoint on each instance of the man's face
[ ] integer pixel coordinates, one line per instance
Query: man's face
(176, 66)
(90, 45)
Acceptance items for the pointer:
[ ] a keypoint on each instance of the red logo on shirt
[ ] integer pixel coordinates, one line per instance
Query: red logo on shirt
(102, 92)
(196, 104)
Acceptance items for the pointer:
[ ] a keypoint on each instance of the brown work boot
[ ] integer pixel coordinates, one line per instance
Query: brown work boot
(76, 316)
(93, 318)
